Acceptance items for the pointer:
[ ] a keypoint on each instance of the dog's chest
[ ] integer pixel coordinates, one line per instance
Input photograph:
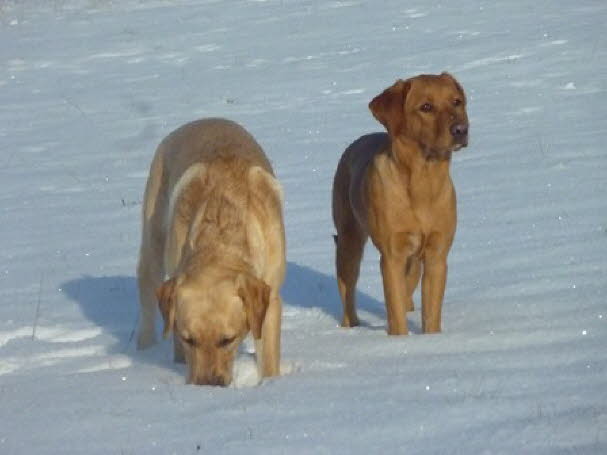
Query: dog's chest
(420, 201)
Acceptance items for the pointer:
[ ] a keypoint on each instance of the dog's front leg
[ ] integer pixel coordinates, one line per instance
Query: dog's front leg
(394, 293)
(394, 254)
(433, 290)
(268, 354)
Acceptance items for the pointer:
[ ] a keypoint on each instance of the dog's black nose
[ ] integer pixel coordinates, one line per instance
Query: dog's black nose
(459, 130)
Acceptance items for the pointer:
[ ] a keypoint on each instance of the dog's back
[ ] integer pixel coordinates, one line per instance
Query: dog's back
(203, 141)
(196, 143)
(349, 174)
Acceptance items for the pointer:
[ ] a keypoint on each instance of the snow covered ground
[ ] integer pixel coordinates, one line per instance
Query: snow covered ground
(89, 87)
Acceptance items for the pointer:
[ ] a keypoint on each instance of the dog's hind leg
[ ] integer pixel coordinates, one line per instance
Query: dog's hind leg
(149, 277)
(412, 274)
(349, 247)
(433, 291)
(150, 271)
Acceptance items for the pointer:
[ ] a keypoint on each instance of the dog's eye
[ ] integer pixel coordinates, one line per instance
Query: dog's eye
(226, 341)
(457, 102)
(426, 107)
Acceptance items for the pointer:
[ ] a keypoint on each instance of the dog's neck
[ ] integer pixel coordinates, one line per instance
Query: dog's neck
(415, 158)
(425, 179)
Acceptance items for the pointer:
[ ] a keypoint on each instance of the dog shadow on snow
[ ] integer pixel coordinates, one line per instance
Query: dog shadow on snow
(111, 302)
(308, 289)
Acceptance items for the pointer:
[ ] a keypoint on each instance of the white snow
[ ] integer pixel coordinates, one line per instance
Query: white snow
(569, 86)
(89, 87)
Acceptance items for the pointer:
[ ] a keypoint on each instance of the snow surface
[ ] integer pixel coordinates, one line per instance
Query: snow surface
(89, 87)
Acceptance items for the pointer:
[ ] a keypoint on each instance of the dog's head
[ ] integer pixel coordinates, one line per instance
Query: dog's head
(429, 110)
(211, 314)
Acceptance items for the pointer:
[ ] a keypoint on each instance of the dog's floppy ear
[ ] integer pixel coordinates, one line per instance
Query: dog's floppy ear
(446, 75)
(389, 106)
(166, 303)
(255, 295)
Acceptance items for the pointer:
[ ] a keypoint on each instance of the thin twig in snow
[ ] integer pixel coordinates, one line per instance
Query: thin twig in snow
(132, 335)
(37, 314)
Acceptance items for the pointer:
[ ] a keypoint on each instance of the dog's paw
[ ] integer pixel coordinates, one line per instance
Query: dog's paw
(287, 367)
(349, 321)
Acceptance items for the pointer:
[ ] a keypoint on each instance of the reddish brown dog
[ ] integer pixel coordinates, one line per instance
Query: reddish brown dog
(396, 188)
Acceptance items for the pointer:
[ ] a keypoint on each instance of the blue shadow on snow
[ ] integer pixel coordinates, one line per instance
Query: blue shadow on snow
(111, 302)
